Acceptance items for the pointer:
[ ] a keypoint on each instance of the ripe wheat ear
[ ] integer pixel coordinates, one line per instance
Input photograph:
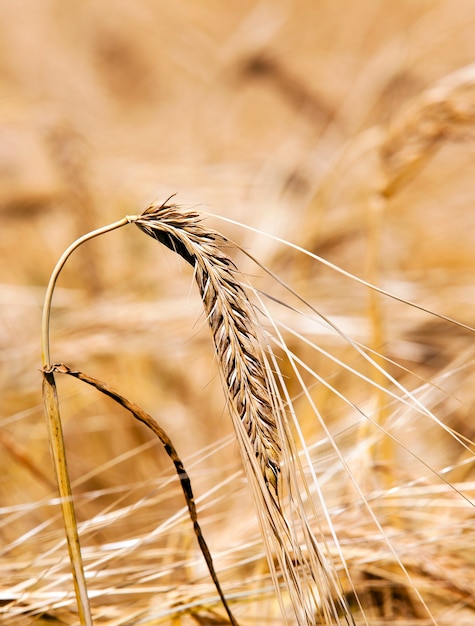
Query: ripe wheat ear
(257, 404)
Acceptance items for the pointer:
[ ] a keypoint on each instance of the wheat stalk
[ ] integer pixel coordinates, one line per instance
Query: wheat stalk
(55, 430)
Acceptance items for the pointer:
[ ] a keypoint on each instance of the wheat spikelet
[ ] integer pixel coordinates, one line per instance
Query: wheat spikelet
(259, 415)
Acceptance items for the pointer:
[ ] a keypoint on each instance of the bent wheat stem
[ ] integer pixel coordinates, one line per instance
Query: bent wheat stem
(45, 323)
(56, 438)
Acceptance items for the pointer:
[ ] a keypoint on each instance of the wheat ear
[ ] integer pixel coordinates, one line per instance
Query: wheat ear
(445, 111)
(232, 324)
(258, 412)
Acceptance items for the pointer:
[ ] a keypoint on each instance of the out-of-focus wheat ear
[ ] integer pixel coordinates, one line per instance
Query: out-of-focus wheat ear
(55, 431)
(446, 111)
(170, 449)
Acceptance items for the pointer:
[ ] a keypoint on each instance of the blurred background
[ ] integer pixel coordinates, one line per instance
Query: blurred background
(315, 121)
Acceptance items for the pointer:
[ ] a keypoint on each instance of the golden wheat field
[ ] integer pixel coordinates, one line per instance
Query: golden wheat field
(334, 143)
